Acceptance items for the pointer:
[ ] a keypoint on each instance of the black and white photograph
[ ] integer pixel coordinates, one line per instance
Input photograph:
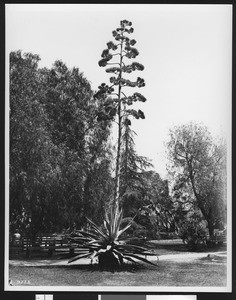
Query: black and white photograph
(118, 123)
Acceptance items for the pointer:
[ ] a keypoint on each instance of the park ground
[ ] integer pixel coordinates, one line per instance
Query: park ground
(175, 267)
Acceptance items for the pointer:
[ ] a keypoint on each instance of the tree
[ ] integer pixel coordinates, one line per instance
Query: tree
(98, 182)
(67, 97)
(132, 170)
(58, 150)
(116, 104)
(32, 168)
(198, 165)
(74, 129)
(158, 211)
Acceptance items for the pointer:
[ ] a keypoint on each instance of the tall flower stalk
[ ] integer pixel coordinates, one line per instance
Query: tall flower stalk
(118, 99)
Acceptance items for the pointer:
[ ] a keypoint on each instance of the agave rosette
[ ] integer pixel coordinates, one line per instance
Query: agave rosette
(107, 242)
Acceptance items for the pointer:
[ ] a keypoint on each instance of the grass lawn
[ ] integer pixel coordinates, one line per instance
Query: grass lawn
(168, 273)
(177, 272)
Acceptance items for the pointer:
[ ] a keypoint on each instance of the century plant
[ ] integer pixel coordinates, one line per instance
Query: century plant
(108, 243)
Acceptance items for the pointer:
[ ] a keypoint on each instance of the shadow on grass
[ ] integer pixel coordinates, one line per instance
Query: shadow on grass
(132, 268)
(170, 247)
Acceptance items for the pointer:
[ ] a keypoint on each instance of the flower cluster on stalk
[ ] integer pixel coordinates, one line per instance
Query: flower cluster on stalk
(122, 48)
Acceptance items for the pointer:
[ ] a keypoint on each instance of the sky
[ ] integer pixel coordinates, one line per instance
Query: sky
(186, 51)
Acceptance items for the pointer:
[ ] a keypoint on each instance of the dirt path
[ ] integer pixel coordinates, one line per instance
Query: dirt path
(212, 256)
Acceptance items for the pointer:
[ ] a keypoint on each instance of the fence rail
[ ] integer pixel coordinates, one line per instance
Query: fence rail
(50, 244)
(218, 239)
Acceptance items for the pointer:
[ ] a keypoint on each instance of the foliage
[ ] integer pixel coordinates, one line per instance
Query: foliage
(107, 244)
(132, 180)
(193, 232)
(158, 213)
(32, 170)
(58, 150)
(198, 166)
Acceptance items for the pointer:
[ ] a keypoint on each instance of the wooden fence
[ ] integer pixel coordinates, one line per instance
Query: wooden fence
(42, 243)
(218, 239)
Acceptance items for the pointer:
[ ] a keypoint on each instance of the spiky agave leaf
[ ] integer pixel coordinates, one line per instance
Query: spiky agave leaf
(116, 226)
(96, 242)
(97, 229)
(113, 220)
(107, 227)
(140, 258)
(119, 254)
(115, 215)
(130, 247)
(94, 254)
(126, 227)
(130, 259)
(79, 257)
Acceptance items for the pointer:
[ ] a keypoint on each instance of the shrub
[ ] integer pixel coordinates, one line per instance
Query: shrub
(193, 233)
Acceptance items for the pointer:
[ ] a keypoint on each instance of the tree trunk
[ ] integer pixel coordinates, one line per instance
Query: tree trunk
(211, 229)
(207, 215)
